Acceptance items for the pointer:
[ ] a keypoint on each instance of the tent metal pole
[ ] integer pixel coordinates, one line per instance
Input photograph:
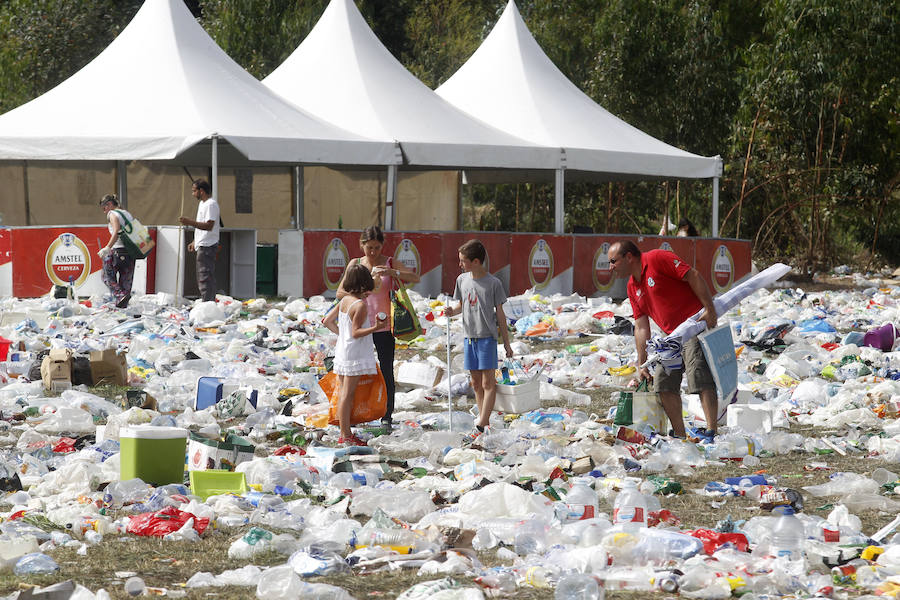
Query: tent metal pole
(390, 203)
(299, 217)
(122, 183)
(715, 207)
(215, 166)
(460, 179)
(559, 213)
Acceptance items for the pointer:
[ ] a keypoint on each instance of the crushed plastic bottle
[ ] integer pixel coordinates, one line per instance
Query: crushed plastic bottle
(35, 563)
(578, 586)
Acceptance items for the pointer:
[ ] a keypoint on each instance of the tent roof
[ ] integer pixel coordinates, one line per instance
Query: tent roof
(163, 86)
(342, 73)
(510, 83)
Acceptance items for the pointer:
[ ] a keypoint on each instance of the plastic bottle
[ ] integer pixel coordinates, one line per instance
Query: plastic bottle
(135, 586)
(531, 538)
(630, 508)
(629, 578)
(788, 535)
(401, 540)
(35, 563)
(581, 501)
(578, 586)
(660, 547)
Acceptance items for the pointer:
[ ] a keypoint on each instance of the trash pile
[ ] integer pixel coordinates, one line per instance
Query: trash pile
(180, 421)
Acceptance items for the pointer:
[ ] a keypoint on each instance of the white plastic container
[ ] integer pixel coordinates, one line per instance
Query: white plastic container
(749, 417)
(581, 501)
(788, 535)
(630, 508)
(519, 398)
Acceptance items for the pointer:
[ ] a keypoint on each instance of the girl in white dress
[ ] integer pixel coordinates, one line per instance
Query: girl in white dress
(354, 354)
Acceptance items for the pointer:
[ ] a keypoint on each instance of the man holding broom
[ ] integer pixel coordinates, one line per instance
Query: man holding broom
(206, 238)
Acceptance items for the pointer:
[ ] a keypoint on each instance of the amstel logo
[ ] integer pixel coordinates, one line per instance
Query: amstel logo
(67, 260)
(334, 262)
(602, 272)
(540, 265)
(408, 254)
(723, 269)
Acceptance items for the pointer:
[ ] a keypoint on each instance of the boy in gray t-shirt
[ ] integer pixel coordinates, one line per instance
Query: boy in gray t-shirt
(481, 298)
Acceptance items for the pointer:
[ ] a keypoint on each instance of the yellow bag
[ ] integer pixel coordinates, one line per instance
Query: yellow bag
(404, 320)
(369, 400)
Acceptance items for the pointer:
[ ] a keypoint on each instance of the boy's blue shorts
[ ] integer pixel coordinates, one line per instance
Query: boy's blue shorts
(480, 354)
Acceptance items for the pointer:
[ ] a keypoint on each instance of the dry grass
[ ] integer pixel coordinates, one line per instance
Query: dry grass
(170, 564)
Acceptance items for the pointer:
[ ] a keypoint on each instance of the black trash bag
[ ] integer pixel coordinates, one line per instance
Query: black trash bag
(81, 371)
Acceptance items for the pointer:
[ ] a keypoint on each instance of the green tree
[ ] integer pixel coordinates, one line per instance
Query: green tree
(443, 34)
(44, 42)
(260, 34)
(815, 141)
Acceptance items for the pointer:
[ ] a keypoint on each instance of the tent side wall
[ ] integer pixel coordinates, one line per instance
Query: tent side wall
(64, 194)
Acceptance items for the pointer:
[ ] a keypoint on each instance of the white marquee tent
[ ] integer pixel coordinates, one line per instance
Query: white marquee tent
(512, 84)
(163, 90)
(343, 74)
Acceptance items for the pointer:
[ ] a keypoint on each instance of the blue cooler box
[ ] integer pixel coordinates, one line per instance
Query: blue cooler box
(211, 389)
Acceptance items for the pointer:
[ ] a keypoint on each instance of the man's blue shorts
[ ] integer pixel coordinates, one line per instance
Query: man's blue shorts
(480, 354)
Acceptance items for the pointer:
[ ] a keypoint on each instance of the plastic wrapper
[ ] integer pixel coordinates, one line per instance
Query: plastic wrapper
(163, 522)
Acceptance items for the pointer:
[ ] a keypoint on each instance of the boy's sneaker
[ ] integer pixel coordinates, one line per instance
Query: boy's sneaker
(701, 434)
(474, 436)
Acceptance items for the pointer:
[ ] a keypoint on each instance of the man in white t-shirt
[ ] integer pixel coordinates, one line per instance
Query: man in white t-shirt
(206, 238)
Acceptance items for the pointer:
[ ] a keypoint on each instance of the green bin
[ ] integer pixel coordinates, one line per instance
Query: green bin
(154, 454)
(267, 269)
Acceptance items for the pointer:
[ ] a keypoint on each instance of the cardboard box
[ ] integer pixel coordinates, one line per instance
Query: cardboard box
(207, 454)
(519, 398)
(419, 374)
(108, 367)
(56, 369)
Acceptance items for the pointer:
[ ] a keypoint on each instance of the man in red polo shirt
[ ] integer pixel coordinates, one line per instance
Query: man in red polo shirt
(663, 287)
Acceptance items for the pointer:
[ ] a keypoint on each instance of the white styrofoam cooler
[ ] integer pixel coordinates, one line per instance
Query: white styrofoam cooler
(756, 418)
(518, 398)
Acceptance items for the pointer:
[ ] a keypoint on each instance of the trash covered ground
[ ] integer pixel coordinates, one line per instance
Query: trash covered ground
(555, 500)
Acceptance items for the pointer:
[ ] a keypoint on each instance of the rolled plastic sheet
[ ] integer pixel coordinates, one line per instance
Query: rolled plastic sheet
(665, 351)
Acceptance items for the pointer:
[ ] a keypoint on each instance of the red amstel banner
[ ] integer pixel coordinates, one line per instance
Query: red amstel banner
(496, 246)
(722, 262)
(593, 274)
(420, 253)
(542, 262)
(46, 256)
(326, 255)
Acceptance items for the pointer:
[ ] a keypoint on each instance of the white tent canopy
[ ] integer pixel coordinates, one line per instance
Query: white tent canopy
(162, 87)
(510, 83)
(343, 74)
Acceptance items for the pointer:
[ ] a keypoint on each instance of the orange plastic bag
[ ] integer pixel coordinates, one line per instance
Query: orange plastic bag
(539, 328)
(369, 401)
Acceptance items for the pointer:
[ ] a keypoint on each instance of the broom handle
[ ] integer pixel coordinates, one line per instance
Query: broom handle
(449, 390)
(178, 270)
